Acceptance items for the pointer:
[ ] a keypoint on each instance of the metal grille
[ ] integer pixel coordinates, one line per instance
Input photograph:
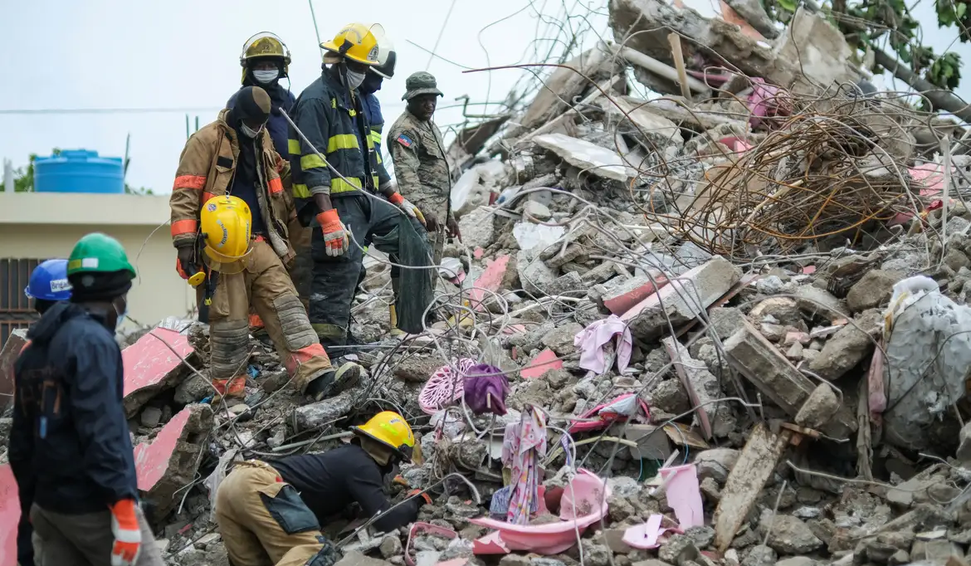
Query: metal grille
(16, 310)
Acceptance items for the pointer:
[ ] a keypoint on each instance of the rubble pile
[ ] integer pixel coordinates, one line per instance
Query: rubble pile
(738, 313)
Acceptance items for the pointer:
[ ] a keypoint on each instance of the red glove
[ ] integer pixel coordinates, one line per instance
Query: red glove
(423, 495)
(127, 533)
(335, 234)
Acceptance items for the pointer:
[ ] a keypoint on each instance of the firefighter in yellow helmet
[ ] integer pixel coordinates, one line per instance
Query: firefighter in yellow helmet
(274, 509)
(330, 116)
(246, 244)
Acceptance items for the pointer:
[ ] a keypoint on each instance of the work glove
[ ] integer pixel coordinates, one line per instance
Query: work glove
(453, 227)
(128, 536)
(424, 497)
(186, 265)
(335, 234)
(409, 208)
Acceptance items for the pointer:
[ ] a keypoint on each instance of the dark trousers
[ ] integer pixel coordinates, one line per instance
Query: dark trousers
(335, 279)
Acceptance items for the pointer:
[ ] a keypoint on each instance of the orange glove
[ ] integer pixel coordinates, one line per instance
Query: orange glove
(424, 495)
(128, 535)
(335, 234)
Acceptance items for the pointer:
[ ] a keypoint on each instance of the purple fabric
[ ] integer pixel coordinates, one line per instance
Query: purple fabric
(485, 389)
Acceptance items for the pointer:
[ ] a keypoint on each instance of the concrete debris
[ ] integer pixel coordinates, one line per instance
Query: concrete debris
(752, 227)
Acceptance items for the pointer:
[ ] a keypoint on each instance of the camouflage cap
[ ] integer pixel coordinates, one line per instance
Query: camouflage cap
(420, 83)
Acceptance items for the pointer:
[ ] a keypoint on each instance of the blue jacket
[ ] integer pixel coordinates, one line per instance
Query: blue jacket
(277, 125)
(69, 446)
(372, 109)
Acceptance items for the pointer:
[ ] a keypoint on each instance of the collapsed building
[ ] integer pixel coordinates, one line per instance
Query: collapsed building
(737, 311)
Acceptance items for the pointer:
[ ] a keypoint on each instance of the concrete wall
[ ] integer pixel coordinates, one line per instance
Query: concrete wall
(46, 225)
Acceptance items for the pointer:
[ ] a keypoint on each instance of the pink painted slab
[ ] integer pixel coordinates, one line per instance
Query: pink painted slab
(152, 460)
(148, 361)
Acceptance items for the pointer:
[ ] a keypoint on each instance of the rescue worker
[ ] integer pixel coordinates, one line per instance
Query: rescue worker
(420, 164)
(329, 113)
(266, 60)
(234, 156)
(275, 509)
(387, 59)
(47, 286)
(70, 449)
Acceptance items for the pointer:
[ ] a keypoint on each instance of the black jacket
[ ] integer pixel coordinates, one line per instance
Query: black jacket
(331, 481)
(335, 123)
(277, 124)
(69, 446)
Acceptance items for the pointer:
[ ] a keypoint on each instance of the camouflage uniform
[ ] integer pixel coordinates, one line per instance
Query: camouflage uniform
(420, 164)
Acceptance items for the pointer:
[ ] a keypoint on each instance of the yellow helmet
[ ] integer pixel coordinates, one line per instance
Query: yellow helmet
(268, 45)
(226, 223)
(391, 429)
(356, 42)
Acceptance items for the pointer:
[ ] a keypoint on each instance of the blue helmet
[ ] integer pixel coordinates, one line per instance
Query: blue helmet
(48, 281)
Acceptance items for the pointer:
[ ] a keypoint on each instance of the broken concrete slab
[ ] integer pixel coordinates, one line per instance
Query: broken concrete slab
(848, 347)
(787, 534)
(652, 442)
(536, 211)
(489, 282)
(818, 49)
(725, 321)
(531, 236)
(534, 275)
(359, 559)
(170, 461)
(543, 362)
(152, 364)
(757, 359)
(716, 463)
(818, 302)
(716, 419)
(872, 290)
(560, 339)
(657, 130)
(821, 405)
(620, 295)
(746, 481)
(322, 412)
(11, 351)
(474, 187)
(477, 227)
(682, 299)
(586, 156)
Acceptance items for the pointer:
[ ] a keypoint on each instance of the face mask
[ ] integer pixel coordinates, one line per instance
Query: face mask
(354, 80)
(121, 315)
(250, 132)
(266, 77)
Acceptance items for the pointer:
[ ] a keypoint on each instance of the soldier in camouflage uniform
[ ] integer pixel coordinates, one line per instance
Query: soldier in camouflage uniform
(420, 165)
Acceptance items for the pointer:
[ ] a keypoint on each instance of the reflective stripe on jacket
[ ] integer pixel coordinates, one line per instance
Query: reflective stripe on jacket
(206, 169)
(327, 114)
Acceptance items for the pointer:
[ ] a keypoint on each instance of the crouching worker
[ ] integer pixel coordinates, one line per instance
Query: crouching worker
(230, 192)
(274, 509)
(70, 450)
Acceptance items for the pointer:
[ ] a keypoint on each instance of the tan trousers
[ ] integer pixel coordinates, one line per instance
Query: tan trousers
(266, 285)
(83, 540)
(301, 268)
(262, 519)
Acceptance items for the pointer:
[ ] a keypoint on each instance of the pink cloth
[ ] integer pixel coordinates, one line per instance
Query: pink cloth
(684, 495)
(592, 339)
(522, 447)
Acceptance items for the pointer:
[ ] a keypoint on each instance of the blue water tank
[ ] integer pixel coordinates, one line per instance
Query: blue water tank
(79, 171)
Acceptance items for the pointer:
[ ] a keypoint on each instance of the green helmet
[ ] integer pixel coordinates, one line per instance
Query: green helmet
(98, 253)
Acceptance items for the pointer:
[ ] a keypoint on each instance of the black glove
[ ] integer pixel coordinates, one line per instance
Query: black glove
(186, 263)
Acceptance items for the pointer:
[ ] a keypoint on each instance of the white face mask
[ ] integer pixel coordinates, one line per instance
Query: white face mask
(250, 132)
(354, 80)
(266, 77)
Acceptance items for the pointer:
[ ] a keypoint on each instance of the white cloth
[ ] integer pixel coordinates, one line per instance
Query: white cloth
(592, 339)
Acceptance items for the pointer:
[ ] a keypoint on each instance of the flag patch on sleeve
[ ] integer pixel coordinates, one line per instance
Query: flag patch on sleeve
(404, 140)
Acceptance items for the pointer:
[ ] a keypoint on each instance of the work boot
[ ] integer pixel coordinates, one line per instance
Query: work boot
(334, 382)
(393, 315)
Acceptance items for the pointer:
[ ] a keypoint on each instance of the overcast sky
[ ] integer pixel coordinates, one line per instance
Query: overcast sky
(185, 54)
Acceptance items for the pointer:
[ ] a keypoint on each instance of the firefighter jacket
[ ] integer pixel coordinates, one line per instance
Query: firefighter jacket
(69, 446)
(335, 124)
(207, 168)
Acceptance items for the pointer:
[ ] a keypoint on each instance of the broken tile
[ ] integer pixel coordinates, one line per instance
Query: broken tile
(588, 157)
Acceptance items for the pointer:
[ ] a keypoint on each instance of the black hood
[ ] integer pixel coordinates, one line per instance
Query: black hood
(57, 316)
(278, 95)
